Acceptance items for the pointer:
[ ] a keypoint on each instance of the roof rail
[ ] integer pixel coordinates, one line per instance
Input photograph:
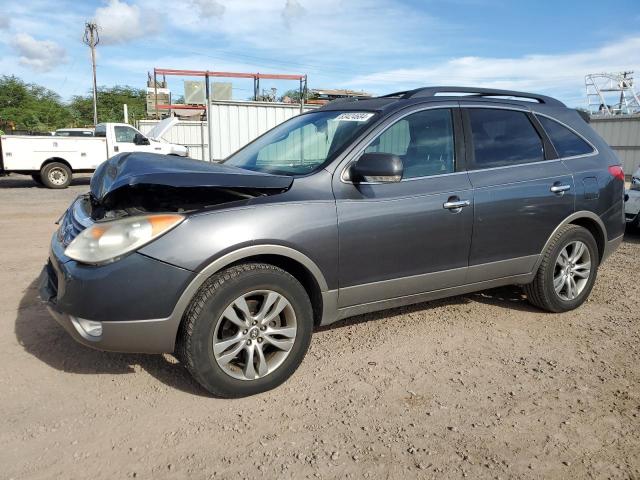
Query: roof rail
(476, 92)
(342, 100)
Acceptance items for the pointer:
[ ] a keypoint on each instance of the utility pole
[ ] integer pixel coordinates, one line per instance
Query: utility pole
(92, 39)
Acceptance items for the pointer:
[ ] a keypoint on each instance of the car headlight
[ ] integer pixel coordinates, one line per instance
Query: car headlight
(108, 241)
(635, 183)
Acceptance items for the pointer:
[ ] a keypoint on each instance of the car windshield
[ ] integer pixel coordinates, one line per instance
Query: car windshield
(302, 144)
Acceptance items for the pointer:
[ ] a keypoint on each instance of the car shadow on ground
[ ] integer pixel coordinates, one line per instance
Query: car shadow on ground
(26, 182)
(42, 337)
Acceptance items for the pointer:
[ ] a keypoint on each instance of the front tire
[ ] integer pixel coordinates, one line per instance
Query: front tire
(246, 331)
(55, 175)
(568, 271)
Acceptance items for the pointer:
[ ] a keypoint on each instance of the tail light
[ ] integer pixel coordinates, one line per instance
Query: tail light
(616, 171)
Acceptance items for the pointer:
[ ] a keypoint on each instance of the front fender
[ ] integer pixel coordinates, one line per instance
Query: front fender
(304, 231)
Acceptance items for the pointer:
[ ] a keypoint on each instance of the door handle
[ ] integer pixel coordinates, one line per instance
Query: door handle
(116, 148)
(560, 189)
(456, 204)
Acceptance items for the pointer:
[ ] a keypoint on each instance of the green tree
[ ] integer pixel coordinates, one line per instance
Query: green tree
(110, 102)
(31, 107)
(294, 95)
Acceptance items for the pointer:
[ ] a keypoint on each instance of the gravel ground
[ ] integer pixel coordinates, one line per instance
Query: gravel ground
(480, 385)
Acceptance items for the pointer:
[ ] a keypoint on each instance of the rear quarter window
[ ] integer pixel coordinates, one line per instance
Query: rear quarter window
(566, 142)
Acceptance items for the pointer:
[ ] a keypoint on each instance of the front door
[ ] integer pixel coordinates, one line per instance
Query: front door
(521, 191)
(406, 238)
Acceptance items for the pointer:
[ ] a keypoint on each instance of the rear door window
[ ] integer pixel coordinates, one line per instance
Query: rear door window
(503, 137)
(567, 143)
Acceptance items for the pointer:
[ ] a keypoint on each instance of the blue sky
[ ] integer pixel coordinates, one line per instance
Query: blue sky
(375, 45)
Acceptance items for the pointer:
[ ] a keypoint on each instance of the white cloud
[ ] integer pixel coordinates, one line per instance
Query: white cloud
(39, 55)
(559, 74)
(292, 11)
(332, 29)
(5, 22)
(209, 8)
(120, 22)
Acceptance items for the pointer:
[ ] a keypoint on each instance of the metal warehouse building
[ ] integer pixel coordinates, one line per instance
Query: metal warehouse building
(622, 132)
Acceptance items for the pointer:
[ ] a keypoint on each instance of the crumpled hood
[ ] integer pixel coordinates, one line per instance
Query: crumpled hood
(141, 168)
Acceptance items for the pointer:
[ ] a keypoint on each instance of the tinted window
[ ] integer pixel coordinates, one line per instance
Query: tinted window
(567, 143)
(101, 130)
(424, 140)
(503, 137)
(124, 134)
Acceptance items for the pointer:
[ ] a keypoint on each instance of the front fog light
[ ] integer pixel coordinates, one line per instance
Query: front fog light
(87, 328)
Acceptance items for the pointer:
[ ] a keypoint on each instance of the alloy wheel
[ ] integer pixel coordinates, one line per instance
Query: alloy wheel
(572, 270)
(254, 335)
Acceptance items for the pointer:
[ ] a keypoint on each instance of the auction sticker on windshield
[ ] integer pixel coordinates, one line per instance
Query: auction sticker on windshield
(354, 116)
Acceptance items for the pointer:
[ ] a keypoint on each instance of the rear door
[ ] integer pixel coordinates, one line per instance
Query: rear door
(522, 191)
(405, 238)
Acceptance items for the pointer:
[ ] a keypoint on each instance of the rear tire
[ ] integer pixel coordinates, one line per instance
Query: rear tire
(56, 175)
(246, 331)
(568, 271)
(37, 178)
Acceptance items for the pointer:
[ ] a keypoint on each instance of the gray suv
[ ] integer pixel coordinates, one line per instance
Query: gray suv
(354, 207)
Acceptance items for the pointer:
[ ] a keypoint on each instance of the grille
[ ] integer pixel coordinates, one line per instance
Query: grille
(69, 228)
(74, 221)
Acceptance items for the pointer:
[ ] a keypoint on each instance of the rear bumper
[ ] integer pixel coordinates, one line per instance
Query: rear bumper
(611, 247)
(632, 206)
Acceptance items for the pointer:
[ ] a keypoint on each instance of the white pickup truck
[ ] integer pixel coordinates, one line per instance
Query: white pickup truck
(52, 160)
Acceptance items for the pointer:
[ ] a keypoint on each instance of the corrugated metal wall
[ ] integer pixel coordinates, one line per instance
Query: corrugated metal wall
(623, 134)
(234, 125)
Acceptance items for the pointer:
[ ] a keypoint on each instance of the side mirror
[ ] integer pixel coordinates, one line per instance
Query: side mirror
(140, 139)
(377, 168)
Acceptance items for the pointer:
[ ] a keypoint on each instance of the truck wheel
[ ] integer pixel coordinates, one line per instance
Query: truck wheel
(55, 175)
(37, 178)
(568, 271)
(246, 331)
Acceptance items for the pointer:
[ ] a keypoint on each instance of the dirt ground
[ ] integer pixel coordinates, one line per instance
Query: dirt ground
(480, 385)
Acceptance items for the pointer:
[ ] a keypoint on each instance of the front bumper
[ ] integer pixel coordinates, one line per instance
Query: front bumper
(132, 300)
(139, 336)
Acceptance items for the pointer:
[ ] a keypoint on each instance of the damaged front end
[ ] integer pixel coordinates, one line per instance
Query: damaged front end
(136, 183)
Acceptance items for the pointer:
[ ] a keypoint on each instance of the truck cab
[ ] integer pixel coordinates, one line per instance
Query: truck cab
(122, 137)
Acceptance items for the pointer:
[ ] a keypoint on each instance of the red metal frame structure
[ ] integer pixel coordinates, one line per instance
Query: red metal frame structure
(208, 74)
